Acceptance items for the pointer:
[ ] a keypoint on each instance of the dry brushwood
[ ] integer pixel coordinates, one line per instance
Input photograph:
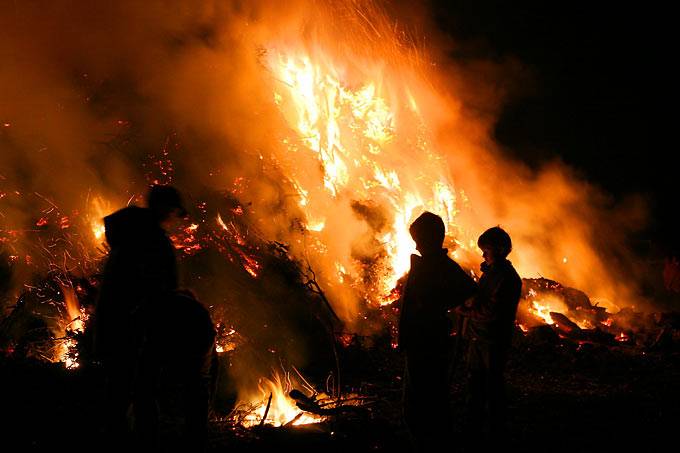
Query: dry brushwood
(312, 406)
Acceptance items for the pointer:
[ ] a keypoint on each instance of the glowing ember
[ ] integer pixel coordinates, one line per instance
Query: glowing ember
(227, 339)
(68, 353)
(622, 337)
(584, 324)
(249, 263)
(186, 239)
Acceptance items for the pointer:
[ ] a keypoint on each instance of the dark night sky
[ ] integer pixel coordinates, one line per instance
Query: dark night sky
(602, 94)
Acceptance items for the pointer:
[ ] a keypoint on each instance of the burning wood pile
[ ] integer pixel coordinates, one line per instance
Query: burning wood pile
(49, 321)
(572, 315)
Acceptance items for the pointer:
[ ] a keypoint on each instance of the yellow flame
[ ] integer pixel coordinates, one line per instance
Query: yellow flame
(622, 337)
(75, 321)
(584, 324)
(282, 409)
(66, 351)
(542, 308)
(316, 225)
(351, 131)
(99, 208)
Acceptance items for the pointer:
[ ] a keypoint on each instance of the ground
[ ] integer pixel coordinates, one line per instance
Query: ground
(563, 397)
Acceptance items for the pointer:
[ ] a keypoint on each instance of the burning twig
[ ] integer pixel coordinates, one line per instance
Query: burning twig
(294, 419)
(304, 381)
(312, 285)
(266, 411)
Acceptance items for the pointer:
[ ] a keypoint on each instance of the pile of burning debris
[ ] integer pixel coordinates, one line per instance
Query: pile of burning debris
(571, 315)
(50, 323)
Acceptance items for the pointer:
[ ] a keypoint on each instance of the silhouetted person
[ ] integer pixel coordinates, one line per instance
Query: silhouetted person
(435, 284)
(184, 338)
(139, 276)
(490, 329)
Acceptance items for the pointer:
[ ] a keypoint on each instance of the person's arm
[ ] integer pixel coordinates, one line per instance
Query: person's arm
(505, 295)
(461, 287)
(404, 317)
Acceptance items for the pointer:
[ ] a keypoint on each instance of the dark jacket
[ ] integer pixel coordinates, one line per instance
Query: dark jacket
(140, 271)
(184, 335)
(435, 284)
(492, 316)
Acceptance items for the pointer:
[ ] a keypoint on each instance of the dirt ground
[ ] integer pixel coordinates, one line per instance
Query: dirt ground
(563, 397)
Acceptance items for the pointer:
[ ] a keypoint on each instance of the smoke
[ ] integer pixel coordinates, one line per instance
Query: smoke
(90, 90)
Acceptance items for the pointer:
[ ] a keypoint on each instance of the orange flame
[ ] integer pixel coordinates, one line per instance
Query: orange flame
(622, 337)
(73, 309)
(282, 409)
(99, 208)
(66, 350)
(350, 131)
(542, 308)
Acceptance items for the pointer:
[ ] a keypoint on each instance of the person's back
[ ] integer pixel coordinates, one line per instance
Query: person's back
(500, 288)
(184, 336)
(140, 268)
(434, 285)
(141, 271)
(491, 326)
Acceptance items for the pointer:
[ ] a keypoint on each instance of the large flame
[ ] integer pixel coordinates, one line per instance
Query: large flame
(363, 143)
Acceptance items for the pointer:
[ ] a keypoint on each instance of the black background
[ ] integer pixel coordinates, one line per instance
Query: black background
(603, 94)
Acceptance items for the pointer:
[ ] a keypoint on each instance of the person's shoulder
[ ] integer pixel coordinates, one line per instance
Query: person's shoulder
(131, 210)
(416, 260)
(453, 265)
(191, 303)
(511, 272)
(455, 270)
(123, 226)
(129, 216)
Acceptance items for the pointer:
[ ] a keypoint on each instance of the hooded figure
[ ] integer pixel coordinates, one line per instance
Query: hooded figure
(435, 284)
(139, 274)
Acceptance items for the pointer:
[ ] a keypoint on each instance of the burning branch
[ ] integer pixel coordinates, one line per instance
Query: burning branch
(312, 285)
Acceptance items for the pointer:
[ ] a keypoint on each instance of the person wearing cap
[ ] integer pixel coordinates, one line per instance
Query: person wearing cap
(435, 284)
(139, 275)
(490, 329)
